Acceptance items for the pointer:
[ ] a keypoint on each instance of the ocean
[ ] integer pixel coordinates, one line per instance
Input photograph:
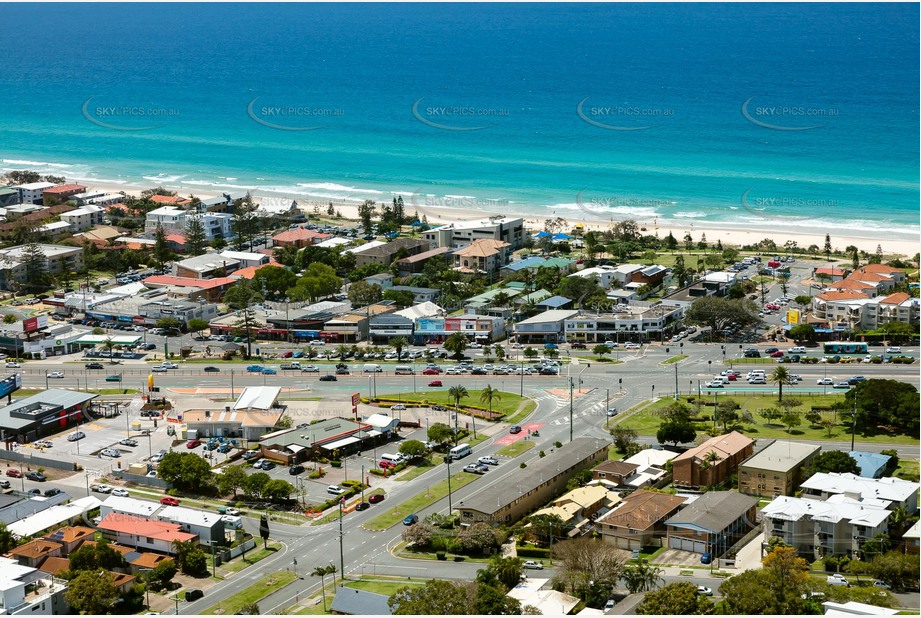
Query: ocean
(789, 116)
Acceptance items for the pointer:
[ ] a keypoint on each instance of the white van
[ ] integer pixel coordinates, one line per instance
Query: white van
(372, 368)
(461, 450)
(797, 350)
(403, 370)
(394, 459)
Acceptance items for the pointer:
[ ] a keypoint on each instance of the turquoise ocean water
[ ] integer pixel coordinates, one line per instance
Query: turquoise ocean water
(793, 116)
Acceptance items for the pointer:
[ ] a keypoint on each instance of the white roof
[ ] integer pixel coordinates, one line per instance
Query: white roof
(192, 517)
(86, 210)
(382, 421)
(889, 488)
(32, 525)
(651, 457)
(166, 211)
(368, 245)
(33, 186)
(720, 277)
(11, 572)
(276, 204)
(914, 532)
(421, 310)
(481, 223)
(550, 316)
(131, 506)
(244, 256)
(55, 225)
(335, 241)
(258, 397)
(628, 269)
(339, 443)
(794, 509)
(129, 289)
(853, 608)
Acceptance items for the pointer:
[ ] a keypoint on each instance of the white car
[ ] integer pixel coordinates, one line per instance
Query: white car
(121, 493)
(335, 489)
(488, 460)
(110, 452)
(632, 346)
(13, 365)
(77, 435)
(103, 488)
(867, 359)
(894, 350)
(714, 384)
(317, 342)
(532, 564)
(707, 592)
(825, 381)
(159, 369)
(56, 374)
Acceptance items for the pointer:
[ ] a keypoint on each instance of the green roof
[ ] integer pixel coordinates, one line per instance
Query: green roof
(557, 262)
(515, 285)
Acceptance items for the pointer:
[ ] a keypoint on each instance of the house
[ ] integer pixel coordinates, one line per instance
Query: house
(829, 274)
(526, 489)
(207, 526)
(26, 590)
(509, 230)
(484, 256)
(777, 469)
(872, 465)
(650, 469)
(535, 592)
(61, 193)
(354, 602)
(70, 537)
(246, 259)
(119, 505)
(140, 562)
(32, 192)
(579, 507)
(172, 200)
(853, 608)
(712, 523)
(143, 533)
(34, 552)
(816, 528)
(613, 472)
(894, 492)
(911, 540)
(415, 264)
(639, 520)
(554, 302)
(206, 266)
(385, 253)
(298, 238)
(420, 294)
(713, 284)
(545, 327)
(712, 462)
(383, 280)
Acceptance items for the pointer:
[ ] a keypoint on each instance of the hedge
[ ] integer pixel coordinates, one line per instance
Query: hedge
(525, 551)
(478, 411)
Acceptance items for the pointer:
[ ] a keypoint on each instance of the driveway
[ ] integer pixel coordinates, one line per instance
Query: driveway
(678, 557)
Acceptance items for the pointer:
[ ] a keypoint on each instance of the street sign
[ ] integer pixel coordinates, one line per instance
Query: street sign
(356, 399)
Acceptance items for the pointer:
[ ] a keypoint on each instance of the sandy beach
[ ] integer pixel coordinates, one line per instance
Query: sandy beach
(728, 234)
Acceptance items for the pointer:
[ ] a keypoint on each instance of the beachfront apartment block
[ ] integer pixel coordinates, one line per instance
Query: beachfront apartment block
(852, 308)
(457, 235)
(777, 469)
(173, 219)
(57, 258)
(25, 590)
(85, 218)
(32, 192)
(61, 193)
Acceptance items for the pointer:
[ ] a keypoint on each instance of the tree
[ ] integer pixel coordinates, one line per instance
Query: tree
(507, 570)
(718, 313)
(255, 484)
(440, 433)
(197, 325)
(438, 597)
(190, 558)
(896, 569)
(600, 350)
(886, 402)
(677, 430)
(671, 243)
(316, 282)
(456, 343)
(803, 332)
(161, 575)
(322, 572)
(679, 599)
(641, 577)
(92, 592)
(94, 558)
(835, 461)
(398, 343)
(34, 265)
(492, 601)
(789, 576)
(403, 298)
(488, 395)
(277, 490)
(780, 376)
(366, 213)
(275, 281)
(161, 252)
(791, 419)
(264, 531)
(726, 413)
(478, 538)
(750, 593)
(827, 249)
(546, 527)
(623, 438)
(250, 609)
(362, 293)
(457, 393)
(585, 560)
(244, 222)
(196, 238)
(186, 471)
(413, 449)
(530, 353)
(7, 541)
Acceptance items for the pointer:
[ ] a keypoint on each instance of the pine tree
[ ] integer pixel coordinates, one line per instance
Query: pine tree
(827, 246)
(161, 252)
(35, 264)
(331, 211)
(196, 239)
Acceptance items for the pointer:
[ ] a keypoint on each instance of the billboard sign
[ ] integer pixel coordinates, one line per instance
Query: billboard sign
(356, 399)
(792, 316)
(30, 325)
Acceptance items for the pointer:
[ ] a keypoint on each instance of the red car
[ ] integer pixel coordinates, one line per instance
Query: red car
(287, 354)
(375, 498)
(436, 383)
(383, 464)
(731, 377)
(16, 474)
(777, 354)
(192, 443)
(431, 372)
(169, 501)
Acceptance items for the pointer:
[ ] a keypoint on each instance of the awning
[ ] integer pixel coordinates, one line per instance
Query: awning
(340, 443)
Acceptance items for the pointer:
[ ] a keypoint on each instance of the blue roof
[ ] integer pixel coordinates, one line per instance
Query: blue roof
(872, 465)
(542, 234)
(531, 262)
(554, 302)
(561, 236)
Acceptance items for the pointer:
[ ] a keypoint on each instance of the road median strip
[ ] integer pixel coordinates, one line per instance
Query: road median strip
(419, 501)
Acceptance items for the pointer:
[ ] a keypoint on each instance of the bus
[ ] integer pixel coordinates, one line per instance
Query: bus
(845, 347)
(461, 450)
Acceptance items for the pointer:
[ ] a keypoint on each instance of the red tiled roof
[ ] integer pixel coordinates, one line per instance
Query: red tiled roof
(250, 271)
(179, 239)
(843, 295)
(873, 268)
(160, 530)
(169, 199)
(851, 284)
(642, 510)
(300, 233)
(70, 534)
(895, 299)
(65, 189)
(725, 446)
(36, 548)
(149, 560)
(53, 565)
(483, 247)
(834, 272)
(868, 276)
(204, 284)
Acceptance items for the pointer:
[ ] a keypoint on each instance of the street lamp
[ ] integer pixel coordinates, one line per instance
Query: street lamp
(341, 538)
(287, 321)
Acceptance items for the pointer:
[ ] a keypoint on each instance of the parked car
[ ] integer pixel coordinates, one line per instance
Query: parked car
(375, 498)
(410, 520)
(336, 490)
(128, 442)
(825, 381)
(296, 469)
(94, 366)
(77, 435)
(488, 460)
(36, 476)
(837, 579)
(476, 468)
(632, 346)
(110, 452)
(532, 564)
(5, 484)
(706, 558)
(705, 591)
(192, 444)
(13, 472)
(169, 501)
(609, 604)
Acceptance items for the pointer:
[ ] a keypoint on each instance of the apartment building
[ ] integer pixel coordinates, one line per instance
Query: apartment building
(386, 253)
(57, 259)
(893, 492)
(25, 590)
(456, 235)
(206, 266)
(32, 192)
(776, 470)
(61, 193)
(482, 256)
(173, 219)
(639, 520)
(853, 308)
(711, 462)
(712, 523)
(84, 218)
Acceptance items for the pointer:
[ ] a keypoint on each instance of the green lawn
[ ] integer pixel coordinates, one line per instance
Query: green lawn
(254, 556)
(420, 501)
(645, 420)
(674, 359)
(421, 468)
(525, 409)
(908, 469)
(506, 404)
(382, 585)
(516, 448)
(252, 593)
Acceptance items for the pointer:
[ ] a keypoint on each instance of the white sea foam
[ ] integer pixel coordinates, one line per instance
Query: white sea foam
(164, 178)
(35, 163)
(331, 186)
(603, 209)
(690, 215)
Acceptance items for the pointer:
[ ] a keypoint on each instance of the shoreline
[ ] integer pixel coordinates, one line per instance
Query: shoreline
(729, 234)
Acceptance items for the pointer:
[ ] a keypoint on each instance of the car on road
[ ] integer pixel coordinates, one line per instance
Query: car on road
(114, 378)
(714, 384)
(410, 520)
(13, 472)
(101, 488)
(192, 444)
(361, 506)
(488, 460)
(212, 369)
(375, 498)
(855, 380)
(310, 369)
(335, 489)
(193, 595)
(169, 501)
(55, 374)
(54, 491)
(837, 579)
(342, 371)
(532, 564)
(777, 354)
(159, 369)
(431, 371)
(43, 443)
(268, 371)
(255, 368)
(35, 492)
(842, 385)
(515, 429)
(77, 435)
(399, 406)
(94, 366)
(705, 591)
(328, 378)
(632, 346)
(287, 354)
(893, 350)
(435, 383)
(612, 412)
(110, 452)
(36, 476)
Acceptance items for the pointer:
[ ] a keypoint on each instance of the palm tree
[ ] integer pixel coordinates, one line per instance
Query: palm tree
(507, 569)
(488, 395)
(342, 350)
(499, 351)
(457, 393)
(322, 572)
(456, 343)
(398, 343)
(108, 344)
(641, 577)
(780, 376)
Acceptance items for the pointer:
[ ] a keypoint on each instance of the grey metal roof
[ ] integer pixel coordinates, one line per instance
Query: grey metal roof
(554, 302)
(360, 602)
(50, 398)
(713, 511)
(494, 497)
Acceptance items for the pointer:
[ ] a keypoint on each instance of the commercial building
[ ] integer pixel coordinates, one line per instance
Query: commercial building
(858, 308)
(389, 325)
(207, 266)
(638, 321)
(545, 327)
(712, 462)
(712, 523)
(777, 469)
(191, 288)
(456, 235)
(44, 414)
(527, 489)
(639, 520)
(480, 328)
(321, 439)
(354, 326)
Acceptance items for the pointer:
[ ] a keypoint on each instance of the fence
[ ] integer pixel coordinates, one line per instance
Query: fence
(34, 461)
(754, 532)
(238, 550)
(139, 479)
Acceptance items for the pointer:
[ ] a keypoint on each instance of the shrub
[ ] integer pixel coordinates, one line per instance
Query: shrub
(541, 454)
(459, 558)
(336, 463)
(527, 551)
(440, 554)
(558, 444)
(522, 465)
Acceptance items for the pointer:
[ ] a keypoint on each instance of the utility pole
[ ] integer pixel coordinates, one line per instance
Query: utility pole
(854, 422)
(450, 506)
(341, 539)
(570, 408)
(676, 381)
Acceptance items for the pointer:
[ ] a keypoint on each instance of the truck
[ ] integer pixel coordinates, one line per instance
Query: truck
(292, 366)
